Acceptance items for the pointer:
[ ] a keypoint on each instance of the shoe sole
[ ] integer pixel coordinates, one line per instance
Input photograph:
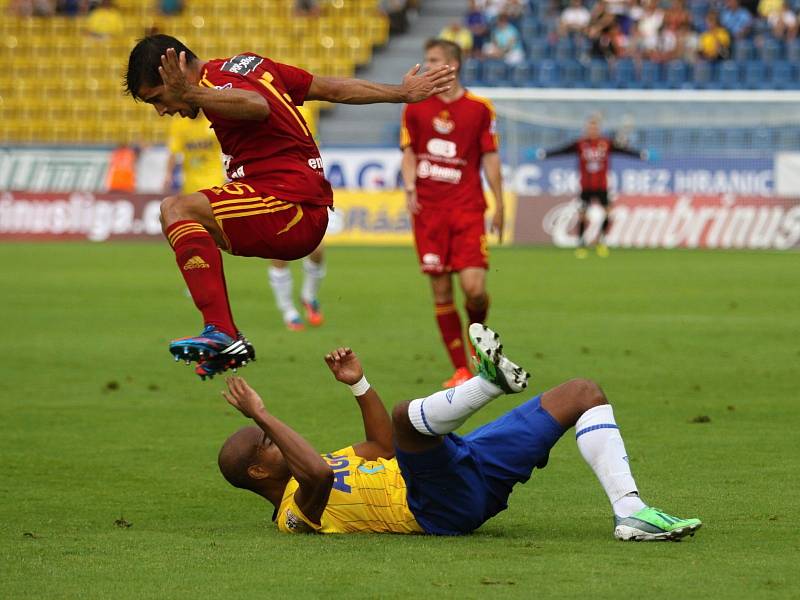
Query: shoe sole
(625, 533)
(489, 350)
(237, 354)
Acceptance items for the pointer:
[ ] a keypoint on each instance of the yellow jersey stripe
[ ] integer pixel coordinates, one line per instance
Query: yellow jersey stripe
(249, 206)
(266, 81)
(295, 220)
(216, 203)
(252, 212)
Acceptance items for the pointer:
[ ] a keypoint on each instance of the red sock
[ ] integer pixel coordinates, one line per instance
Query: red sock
(450, 327)
(477, 315)
(200, 263)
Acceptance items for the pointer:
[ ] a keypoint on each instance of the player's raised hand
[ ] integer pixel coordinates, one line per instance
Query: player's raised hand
(242, 397)
(344, 365)
(418, 87)
(173, 73)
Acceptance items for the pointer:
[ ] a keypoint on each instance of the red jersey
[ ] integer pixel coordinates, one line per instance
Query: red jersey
(593, 160)
(449, 140)
(279, 153)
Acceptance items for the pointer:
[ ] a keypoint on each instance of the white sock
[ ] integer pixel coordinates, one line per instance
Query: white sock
(602, 447)
(281, 282)
(313, 273)
(446, 411)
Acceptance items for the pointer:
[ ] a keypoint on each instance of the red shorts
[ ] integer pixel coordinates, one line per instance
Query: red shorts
(257, 224)
(450, 240)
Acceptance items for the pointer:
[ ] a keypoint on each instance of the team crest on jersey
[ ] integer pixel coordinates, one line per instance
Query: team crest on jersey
(443, 124)
(242, 64)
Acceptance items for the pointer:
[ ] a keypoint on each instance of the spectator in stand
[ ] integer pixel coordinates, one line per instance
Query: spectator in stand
(492, 9)
(676, 40)
(32, 8)
(397, 11)
(678, 15)
(648, 29)
(574, 19)
(715, 42)
(170, 7)
(599, 29)
(105, 21)
(506, 43)
(514, 10)
(458, 34)
(478, 26)
(736, 19)
(306, 8)
(782, 22)
(71, 8)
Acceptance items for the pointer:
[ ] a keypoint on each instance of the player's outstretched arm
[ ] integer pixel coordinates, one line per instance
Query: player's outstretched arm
(346, 367)
(414, 88)
(235, 104)
(306, 465)
(561, 150)
(492, 168)
(408, 169)
(620, 149)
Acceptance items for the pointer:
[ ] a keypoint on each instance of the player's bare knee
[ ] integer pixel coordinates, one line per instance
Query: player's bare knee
(476, 297)
(586, 394)
(170, 210)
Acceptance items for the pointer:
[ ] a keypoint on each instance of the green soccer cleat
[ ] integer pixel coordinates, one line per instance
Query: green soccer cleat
(492, 364)
(651, 525)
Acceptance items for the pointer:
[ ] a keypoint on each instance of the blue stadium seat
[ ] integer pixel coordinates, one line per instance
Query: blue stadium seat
(676, 75)
(521, 75)
(547, 74)
(788, 138)
(702, 75)
(710, 138)
(737, 138)
(650, 75)
(743, 50)
(537, 49)
(793, 51)
(471, 71)
(564, 49)
(495, 73)
(728, 76)
(573, 73)
(597, 75)
(684, 139)
(755, 75)
(770, 50)
(623, 74)
(783, 75)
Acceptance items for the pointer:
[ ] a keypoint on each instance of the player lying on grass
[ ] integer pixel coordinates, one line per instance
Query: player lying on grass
(276, 204)
(413, 475)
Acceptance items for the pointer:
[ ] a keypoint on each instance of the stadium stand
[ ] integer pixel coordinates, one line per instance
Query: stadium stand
(59, 84)
(617, 54)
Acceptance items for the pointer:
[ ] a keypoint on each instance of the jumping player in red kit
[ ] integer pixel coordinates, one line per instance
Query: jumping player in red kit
(275, 204)
(446, 140)
(594, 152)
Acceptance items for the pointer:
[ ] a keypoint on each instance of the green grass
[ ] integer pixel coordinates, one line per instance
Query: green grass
(99, 425)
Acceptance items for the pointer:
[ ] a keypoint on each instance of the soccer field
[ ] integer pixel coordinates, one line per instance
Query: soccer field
(109, 480)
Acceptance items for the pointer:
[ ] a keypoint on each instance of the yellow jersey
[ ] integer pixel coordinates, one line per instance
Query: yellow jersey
(195, 141)
(367, 496)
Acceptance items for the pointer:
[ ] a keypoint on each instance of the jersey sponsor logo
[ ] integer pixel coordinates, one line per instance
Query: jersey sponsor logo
(239, 172)
(295, 523)
(443, 124)
(443, 148)
(195, 263)
(427, 170)
(227, 86)
(315, 163)
(241, 64)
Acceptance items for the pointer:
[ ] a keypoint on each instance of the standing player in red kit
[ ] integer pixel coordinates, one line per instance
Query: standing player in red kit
(594, 151)
(275, 204)
(446, 140)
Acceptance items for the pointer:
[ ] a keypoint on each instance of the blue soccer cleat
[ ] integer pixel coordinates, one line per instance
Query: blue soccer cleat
(214, 351)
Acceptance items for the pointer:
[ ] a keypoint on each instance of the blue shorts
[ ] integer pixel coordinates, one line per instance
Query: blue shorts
(456, 487)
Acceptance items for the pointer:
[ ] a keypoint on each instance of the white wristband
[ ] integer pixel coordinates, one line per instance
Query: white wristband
(360, 387)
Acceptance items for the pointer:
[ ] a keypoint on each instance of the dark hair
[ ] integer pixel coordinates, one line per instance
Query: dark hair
(451, 50)
(145, 59)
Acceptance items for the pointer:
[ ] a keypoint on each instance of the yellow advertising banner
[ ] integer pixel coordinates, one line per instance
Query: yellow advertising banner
(380, 218)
